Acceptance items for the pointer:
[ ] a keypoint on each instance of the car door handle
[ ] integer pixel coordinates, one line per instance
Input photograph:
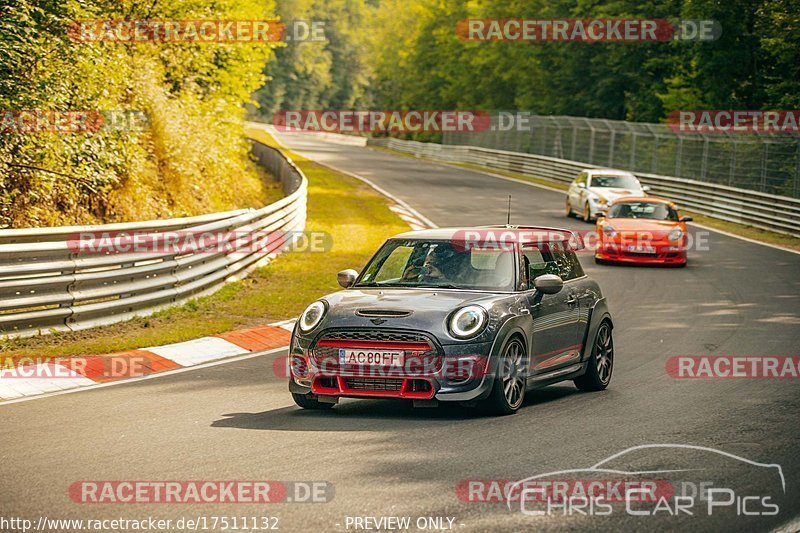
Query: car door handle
(572, 300)
(524, 311)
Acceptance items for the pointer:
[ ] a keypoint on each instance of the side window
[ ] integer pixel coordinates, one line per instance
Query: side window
(577, 269)
(394, 265)
(565, 261)
(537, 264)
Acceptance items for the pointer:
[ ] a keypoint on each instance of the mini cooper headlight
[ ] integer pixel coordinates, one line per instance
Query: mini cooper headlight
(675, 234)
(311, 316)
(467, 321)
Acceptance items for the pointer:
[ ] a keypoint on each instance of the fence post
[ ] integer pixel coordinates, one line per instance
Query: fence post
(575, 141)
(733, 163)
(678, 156)
(764, 159)
(654, 164)
(704, 161)
(797, 174)
(611, 149)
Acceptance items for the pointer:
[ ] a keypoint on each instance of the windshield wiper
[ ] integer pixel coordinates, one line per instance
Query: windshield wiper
(442, 286)
(412, 285)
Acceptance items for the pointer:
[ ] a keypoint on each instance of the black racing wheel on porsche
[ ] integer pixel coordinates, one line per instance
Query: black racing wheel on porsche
(601, 362)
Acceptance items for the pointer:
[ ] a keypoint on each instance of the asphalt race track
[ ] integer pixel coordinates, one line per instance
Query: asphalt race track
(237, 421)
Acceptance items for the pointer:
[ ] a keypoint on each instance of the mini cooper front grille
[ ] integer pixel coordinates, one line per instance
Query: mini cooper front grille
(375, 335)
(421, 355)
(367, 384)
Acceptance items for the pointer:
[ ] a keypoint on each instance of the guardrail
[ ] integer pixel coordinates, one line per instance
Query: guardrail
(48, 284)
(766, 211)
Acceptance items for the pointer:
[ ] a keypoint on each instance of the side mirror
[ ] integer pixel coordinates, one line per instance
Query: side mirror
(548, 283)
(347, 278)
(646, 188)
(686, 219)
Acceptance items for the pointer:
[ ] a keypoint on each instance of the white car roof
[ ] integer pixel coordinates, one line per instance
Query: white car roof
(609, 172)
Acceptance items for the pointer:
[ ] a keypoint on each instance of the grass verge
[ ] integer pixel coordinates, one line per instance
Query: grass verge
(742, 230)
(356, 217)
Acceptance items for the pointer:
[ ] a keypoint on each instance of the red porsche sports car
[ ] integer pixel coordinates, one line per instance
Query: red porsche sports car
(642, 230)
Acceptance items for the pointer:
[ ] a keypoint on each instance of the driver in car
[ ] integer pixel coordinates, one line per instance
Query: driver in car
(437, 266)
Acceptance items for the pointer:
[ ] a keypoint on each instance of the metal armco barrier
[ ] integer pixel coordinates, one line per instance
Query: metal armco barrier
(766, 211)
(48, 285)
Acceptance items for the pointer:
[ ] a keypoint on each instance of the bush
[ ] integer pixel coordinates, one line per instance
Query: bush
(189, 158)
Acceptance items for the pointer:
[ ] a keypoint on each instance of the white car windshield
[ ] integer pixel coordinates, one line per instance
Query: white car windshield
(618, 182)
(439, 263)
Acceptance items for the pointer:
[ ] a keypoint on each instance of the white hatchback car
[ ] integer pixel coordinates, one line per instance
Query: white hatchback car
(593, 190)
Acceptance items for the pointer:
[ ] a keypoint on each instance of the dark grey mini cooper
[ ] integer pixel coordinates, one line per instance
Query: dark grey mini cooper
(471, 315)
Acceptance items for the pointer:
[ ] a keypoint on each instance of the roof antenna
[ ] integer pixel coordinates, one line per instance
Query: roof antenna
(508, 217)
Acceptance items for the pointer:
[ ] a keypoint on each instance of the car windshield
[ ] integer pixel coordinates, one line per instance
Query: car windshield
(619, 182)
(649, 210)
(439, 263)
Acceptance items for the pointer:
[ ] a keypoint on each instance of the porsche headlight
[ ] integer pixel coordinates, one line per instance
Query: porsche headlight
(609, 230)
(312, 316)
(675, 235)
(468, 321)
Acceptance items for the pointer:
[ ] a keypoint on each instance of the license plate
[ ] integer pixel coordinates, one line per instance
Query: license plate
(641, 249)
(371, 357)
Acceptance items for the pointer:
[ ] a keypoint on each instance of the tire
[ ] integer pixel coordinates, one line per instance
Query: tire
(568, 209)
(306, 402)
(587, 213)
(508, 391)
(601, 362)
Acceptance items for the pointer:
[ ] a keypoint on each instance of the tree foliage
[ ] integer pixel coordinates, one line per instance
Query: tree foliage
(190, 158)
(419, 62)
(328, 74)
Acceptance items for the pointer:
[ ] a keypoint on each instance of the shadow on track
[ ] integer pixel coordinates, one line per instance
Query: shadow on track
(371, 415)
